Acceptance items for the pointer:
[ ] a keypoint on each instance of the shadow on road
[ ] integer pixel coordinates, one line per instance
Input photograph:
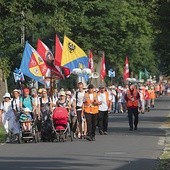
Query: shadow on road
(140, 132)
(42, 163)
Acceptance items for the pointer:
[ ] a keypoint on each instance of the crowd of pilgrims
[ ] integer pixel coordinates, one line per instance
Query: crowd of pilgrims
(106, 100)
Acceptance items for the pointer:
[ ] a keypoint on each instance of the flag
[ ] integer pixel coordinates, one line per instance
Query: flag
(48, 58)
(91, 64)
(103, 67)
(32, 65)
(18, 75)
(111, 73)
(126, 69)
(141, 75)
(146, 74)
(73, 56)
(58, 52)
(58, 57)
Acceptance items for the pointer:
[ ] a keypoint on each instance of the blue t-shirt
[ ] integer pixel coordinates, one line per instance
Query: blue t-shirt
(27, 102)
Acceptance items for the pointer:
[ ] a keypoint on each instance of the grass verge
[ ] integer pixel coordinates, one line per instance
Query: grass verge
(2, 134)
(164, 161)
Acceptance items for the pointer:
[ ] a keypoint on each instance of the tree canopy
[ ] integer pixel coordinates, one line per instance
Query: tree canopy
(134, 28)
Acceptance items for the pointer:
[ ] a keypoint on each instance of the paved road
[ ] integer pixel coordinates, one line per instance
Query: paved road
(120, 150)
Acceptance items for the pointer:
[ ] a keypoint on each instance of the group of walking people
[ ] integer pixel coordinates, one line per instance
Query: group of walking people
(88, 107)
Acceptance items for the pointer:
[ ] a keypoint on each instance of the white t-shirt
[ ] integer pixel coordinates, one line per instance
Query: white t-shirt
(6, 106)
(102, 98)
(16, 104)
(119, 97)
(80, 98)
(44, 101)
(113, 94)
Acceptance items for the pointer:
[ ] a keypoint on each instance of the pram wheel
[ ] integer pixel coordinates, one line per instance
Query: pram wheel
(20, 138)
(36, 136)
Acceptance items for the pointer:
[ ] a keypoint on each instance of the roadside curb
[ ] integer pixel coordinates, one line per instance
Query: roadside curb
(167, 138)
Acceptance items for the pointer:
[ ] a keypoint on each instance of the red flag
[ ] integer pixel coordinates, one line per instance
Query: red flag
(91, 64)
(103, 67)
(58, 57)
(126, 69)
(48, 57)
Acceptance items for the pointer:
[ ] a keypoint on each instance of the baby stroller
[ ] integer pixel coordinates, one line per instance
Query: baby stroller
(31, 134)
(61, 125)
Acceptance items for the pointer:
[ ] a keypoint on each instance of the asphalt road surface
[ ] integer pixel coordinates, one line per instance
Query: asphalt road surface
(121, 149)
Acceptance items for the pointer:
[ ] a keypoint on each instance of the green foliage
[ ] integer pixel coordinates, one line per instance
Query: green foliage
(5, 66)
(163, 38)
(120, 28)
(2, 134)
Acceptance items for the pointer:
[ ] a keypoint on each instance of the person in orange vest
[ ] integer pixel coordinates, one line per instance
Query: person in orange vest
(91, 109)
(132, 99)
(105, 105)
(152, 96)
(147, 99)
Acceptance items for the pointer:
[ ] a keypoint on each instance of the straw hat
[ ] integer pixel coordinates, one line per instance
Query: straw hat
(16, 90)
(62, 93)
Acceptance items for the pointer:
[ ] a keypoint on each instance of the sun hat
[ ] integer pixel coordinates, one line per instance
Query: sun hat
(44, 90)
(68, 93)
(7, 95)
(16, 90)
(62, 93)
(27, 109)
(33, 91)
(40, 91)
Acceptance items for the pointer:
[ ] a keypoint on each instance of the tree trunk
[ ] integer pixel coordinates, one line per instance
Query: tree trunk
(6, 86)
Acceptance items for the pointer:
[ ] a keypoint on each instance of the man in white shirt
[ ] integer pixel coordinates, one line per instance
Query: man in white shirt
(105, 104)
(79, 97)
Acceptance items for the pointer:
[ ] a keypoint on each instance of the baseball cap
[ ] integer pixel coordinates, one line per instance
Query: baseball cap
(26, 90)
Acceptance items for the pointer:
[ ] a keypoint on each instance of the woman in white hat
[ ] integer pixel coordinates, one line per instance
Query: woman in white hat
(6, 114)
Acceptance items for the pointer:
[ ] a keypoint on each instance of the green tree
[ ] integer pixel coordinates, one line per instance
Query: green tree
(5, 67)
(163, 34)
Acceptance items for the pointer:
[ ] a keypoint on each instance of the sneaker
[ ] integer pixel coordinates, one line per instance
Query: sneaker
(101, 132)
(105, 133)
(93, 138)
(88, 138)
(131, 129)
(135, 128)
(74, 136)
(7, 140)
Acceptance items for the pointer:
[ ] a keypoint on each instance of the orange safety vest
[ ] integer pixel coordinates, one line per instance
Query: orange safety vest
(132, 99)
(89, 107)
(107, 97)
(157, 88)
(152, 94)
